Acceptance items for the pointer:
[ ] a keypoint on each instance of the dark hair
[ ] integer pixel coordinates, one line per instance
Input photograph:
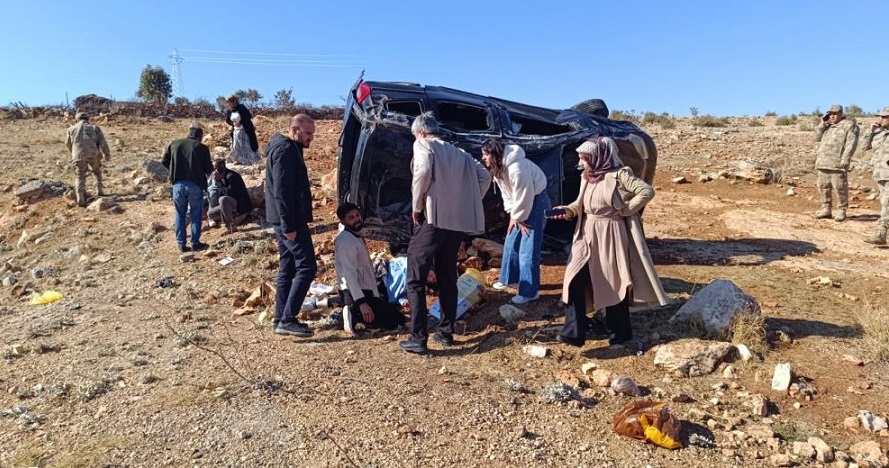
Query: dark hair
(344, 209)
(219, 164)
(494, 147)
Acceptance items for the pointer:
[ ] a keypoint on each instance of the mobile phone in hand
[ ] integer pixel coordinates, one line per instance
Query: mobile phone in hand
(555, 212)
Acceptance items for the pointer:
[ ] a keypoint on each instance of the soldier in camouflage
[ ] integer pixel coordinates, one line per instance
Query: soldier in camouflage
(878, 140)
(839, 138)
(87, 145)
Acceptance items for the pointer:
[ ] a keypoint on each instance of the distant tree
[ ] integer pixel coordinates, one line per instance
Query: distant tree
(693, 111)
(155, 85)
(221, 103)
(771, 114)
(854, 111)
(240, 94)
(284, 99)
(202, 102)
(252, 96)
(181, 101)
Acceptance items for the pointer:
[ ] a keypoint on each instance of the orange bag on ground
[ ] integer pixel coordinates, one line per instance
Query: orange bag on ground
(650, 421)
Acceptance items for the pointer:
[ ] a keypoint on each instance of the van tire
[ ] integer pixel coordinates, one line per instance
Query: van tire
(595, 107)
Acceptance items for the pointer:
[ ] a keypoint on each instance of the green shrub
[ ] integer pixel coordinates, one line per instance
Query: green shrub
(624, 115)
(755, 123)
(771, 114)
(710, 121)
(786, 120)
(664, 120)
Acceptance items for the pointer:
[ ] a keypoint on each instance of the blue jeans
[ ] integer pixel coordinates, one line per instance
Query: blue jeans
(521, 252)
(188, 198)
(297, 270)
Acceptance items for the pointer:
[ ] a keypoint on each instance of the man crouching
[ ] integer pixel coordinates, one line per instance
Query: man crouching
(358, 282)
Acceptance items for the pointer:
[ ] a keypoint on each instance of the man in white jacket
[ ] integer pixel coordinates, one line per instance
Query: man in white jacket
(523, 188)
(447, 188)
(359, 287)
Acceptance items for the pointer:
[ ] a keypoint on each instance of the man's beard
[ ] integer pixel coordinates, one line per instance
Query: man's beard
(356, 228)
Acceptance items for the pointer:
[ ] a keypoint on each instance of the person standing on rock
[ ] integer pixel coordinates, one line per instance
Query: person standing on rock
(246, 119)
(447, 187)
(188, 161)
(878, 140)
(609, 265)
(288, 207)
(523, 188)
(839, 138)
(87, 145)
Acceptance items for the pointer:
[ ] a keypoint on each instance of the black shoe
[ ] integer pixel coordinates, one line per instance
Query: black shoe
(446, 339)
(597, 328)
(619, 340)
(294, 328)
(184, 248)
(198, 246)
(568, 341)
(412, 346)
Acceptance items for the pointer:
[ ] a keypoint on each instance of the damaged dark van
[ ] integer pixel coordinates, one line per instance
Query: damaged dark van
(376, 147)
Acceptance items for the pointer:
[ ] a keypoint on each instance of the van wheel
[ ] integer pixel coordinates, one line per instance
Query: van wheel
(592, 106)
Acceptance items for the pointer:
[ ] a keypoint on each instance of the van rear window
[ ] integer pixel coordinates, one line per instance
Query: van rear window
(411, 108)
(463, 117)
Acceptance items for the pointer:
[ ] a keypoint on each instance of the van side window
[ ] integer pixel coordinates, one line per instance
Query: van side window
(411, 108)
(522, 125)
(464, 117)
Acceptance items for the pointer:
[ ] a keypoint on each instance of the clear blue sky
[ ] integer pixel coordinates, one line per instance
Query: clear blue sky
(725, 58)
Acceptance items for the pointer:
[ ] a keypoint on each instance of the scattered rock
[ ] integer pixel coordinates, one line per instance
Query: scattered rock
(692, 357)
(186, 257)
(759, 405)
(729, 372)
(601, 378)
(868, 448)
(625, 385)
(680, 180)
(715, 306)
(823, 452)
(329, 183)
(782, 377)
(744, 352)
(567, 377)
(790, 192)
(588, 367)
(871, 422)
(804, 450)
(9, 281)
(155, 170)
(488, 247)
(102, 204)
(781, 459)
(511, 313)
(852, 422)
(760, 432)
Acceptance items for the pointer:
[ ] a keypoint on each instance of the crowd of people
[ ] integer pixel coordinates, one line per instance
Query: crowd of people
(609, 267)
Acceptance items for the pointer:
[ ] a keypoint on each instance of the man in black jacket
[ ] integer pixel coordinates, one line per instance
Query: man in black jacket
(288, 206)
(246, 120)
(189, 163)
(229, 200)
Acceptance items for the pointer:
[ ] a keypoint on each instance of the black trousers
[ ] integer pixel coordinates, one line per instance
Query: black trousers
(617, 317)
(386, 315)
(432, 246)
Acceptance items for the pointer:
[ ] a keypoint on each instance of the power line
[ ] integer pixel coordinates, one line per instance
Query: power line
(307, 64)
(224, 52)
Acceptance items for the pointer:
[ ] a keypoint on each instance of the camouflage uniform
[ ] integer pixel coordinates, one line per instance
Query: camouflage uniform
(838, 143)
(879, 142)
(87, 145)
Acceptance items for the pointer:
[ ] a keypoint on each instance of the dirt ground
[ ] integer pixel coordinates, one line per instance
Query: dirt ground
(121, 372)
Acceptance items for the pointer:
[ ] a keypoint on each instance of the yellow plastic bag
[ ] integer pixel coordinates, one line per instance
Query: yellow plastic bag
(48, 297)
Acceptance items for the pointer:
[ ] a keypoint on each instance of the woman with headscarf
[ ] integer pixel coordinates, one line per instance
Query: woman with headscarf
(609, 266)
(242, 152)
(523, 188)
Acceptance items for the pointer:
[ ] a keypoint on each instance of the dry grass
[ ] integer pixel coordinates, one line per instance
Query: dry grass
(749, 328)
(874, 322)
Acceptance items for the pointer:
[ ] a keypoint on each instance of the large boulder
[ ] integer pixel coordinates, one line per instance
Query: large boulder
(715, 307)
(155, 170)
(36, 190)
(692, 357)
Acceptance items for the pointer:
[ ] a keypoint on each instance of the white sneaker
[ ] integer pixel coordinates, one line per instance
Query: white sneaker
(524, 300)
(347, 320)
(498, 286)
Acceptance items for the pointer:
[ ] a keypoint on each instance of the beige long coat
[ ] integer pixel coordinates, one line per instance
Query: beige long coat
(630, 194)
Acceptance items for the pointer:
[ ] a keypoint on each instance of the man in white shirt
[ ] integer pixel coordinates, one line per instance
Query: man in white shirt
(359, 287)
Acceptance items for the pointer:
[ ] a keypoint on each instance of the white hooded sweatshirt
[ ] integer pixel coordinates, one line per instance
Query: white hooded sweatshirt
(523, 181)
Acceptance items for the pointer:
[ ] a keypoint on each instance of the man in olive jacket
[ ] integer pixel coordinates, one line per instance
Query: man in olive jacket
(288, 207)
(839, 138)
(188, 161)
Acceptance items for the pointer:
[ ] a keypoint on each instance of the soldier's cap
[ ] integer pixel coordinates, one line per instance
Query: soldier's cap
(884, 112)
(836, 108)
(82, 116)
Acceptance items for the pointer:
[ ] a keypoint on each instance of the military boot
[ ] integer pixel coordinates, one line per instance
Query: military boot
(840, 216)
(823, 213)
(879, 237)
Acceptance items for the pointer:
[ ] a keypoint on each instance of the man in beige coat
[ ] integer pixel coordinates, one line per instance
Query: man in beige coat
(87, 145)
(839, 138)
(447, 188)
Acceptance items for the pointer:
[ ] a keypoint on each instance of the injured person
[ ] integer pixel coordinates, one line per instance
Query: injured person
(363, 295)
